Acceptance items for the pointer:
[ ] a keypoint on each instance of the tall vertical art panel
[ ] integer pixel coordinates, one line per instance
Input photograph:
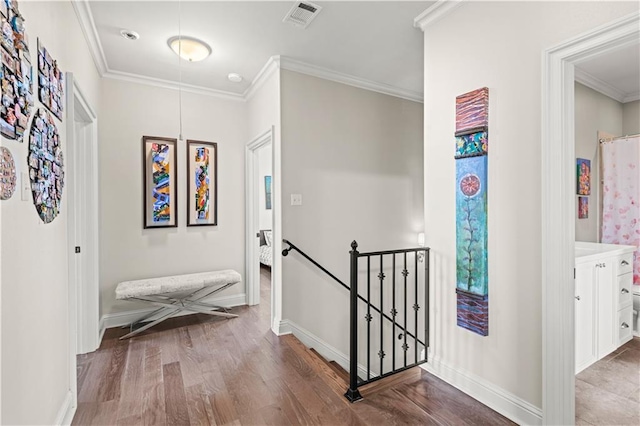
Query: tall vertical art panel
(160, 183)
(202, 204)
(472, 284)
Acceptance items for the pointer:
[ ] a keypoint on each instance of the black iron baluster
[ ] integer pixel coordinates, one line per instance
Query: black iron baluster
(405, 272)
(368, 317)
(381, 353)
(352, 393)
(393, 313)
(426, 304)
(415, 308)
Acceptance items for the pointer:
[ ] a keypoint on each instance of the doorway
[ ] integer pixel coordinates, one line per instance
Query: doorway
(82, 199)
(259, 226)
(558, 209)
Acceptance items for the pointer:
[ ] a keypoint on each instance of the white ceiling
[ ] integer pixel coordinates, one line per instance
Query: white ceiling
(374, 41)
(616, 74)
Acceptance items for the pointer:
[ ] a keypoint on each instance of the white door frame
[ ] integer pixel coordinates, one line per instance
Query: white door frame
(83, 296)
(252, 216)
(558, 204)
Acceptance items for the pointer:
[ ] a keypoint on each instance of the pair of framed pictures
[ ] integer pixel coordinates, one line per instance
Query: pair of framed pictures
(160, 183)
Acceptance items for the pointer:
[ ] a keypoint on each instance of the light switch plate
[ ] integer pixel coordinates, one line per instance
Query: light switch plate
(24, 186)
(296, 199)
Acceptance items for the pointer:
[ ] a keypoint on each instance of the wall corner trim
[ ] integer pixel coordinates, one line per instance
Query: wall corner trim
(272, 65)
(435, 13)
(494, 397)
(67, 410)
(88, 26)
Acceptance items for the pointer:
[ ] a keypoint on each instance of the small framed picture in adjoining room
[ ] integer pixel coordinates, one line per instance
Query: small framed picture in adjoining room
(202, 183)
(267, 192)
(160, 182)
(583, 176)
(583, 207)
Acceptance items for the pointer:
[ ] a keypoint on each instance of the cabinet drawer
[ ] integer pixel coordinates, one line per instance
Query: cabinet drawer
(625, 296)
(625, 327)
(625, 263)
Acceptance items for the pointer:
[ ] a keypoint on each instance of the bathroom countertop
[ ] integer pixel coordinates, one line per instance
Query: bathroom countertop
(586, 251)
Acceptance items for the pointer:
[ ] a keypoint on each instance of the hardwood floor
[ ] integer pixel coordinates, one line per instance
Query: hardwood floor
(608, 392)
(205, 370)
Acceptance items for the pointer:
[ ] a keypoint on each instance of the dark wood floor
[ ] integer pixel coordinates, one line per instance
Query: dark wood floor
(608, 392)
(205, 370)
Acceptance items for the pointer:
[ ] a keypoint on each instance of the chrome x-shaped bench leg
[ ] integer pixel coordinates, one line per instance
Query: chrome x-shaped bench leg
(171, 306)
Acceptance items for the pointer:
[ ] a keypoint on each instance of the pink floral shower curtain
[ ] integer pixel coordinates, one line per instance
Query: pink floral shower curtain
(621, 195)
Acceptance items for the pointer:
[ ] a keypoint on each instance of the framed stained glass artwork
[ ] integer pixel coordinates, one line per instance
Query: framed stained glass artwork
(160, 182)
(202, 183)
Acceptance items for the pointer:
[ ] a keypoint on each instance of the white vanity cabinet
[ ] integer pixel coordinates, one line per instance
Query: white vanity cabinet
(603, 300)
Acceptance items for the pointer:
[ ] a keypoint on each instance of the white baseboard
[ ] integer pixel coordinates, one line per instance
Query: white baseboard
(505, 403)
(67, 410)
(310, 340)
(120, 319)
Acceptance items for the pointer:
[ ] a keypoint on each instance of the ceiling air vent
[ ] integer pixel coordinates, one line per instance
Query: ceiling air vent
(302, 13)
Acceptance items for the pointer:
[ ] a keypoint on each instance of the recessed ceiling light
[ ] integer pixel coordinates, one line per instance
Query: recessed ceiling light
(129, 35)
(234, 77)
(189, 48)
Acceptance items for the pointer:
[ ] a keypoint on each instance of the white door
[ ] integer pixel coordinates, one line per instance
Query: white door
(82, 203)
(585, 315)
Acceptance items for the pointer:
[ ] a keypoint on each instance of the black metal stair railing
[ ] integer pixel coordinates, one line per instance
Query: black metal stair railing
(420, 254)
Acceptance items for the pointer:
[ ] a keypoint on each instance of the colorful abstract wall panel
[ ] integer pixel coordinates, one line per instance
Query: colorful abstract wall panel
(7, 174)
(201, 180)
(46, 166)
(160, 185)
(16, 75)
(50, 82)
(583, 175)
(471, 154)
(202, 183)
(267, 192)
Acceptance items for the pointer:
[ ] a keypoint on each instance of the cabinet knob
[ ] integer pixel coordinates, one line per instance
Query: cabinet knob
(624, 291)
(624, 325)
(577, 297)
(624, 263)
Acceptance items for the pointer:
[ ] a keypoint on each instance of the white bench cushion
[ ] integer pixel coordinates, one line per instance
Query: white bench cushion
(176, 283)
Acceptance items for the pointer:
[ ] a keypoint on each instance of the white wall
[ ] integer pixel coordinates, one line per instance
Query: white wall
(35, 329)
(264, 169)
(593, 112)
(129, 252)
(263, 114)
(355, 156)
(505, 55)
(631, 118)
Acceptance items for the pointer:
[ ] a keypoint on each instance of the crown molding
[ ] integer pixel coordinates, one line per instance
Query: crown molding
(598, 85)
(361, 83)
(435, 13)
(85, 18)
(88, 26)
(272, 64)
(173, 85)
(631, 97)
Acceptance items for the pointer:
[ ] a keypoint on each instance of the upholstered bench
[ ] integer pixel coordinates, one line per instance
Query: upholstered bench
(175, 294)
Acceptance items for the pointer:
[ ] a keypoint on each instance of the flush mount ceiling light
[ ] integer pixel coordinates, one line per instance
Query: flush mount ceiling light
(129, 35)
(234, 77)
(189, 48)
